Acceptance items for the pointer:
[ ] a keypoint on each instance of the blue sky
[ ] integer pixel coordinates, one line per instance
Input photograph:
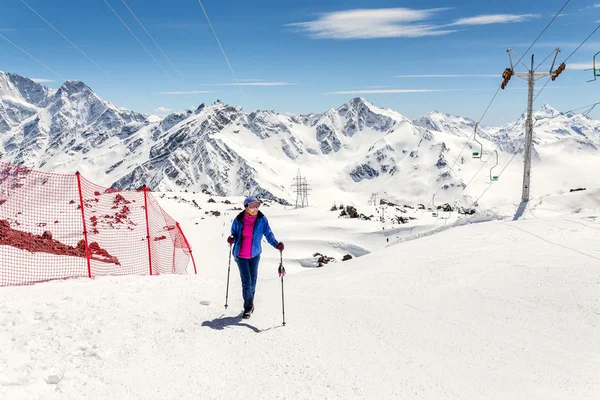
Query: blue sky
(304, 56)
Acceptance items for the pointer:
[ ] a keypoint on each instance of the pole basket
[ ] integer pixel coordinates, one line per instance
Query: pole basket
(281, 270)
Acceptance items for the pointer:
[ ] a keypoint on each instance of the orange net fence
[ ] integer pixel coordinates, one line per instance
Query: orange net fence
(55, 226)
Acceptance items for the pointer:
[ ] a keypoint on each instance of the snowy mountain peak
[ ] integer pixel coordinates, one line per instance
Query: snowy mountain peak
(75, 86)
(219, 106)
(546, 111)
(220, 148)
(24, 89)
(358, 105)
(444, 122)
(359, 101)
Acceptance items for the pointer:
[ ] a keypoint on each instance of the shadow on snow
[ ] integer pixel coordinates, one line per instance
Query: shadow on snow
(223, 322)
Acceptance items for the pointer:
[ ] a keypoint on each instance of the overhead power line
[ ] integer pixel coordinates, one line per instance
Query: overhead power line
(141, 44)
(218, 41)
(154, 41)
(221, 47)
(586, 39)
(547, 26)
(35, 59)
(70, 42)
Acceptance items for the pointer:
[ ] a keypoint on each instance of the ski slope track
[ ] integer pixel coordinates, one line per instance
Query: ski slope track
(503, 309)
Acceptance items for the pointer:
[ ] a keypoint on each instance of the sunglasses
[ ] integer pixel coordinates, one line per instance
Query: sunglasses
(254, 205)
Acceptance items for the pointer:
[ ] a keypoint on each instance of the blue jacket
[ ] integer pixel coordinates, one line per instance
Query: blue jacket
(261, 227)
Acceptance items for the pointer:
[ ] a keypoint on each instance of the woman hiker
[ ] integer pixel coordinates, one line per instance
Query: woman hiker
(247, 231)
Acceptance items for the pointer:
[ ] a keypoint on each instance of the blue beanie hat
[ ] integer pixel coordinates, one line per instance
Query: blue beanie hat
(249, 199)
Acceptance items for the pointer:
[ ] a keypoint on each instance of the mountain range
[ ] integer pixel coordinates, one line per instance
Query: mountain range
(354, 150)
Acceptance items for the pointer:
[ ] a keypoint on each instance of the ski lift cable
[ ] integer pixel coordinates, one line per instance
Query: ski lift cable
(545, 59)
(581, 44)
(501, 171)
(154, 41)
(542, 89)
(458, 157)
(71, 43)
(504, 168)
(141, 44)
(434, 212)
(451, 167)
(485, 162)
(579, 108)
(479, 170)
(484, 192)
(547, 26)
(35, 59)
(469, 139)
(488, 107)
(591, 109)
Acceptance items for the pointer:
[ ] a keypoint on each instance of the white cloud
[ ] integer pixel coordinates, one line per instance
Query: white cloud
(448, 76)
(494, 19)
(580, 66)
(373, 23)
(162, 110)
(42, 80)
(385, 91)
(393, 22)
(252, 84)
(190, 92)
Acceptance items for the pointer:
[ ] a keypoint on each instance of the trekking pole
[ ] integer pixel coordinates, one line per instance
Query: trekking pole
(228, 269)
(281, 271)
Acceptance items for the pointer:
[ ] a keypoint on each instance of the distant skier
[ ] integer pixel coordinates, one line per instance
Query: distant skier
(247, 231)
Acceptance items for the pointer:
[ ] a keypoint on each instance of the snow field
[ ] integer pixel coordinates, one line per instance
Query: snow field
(496, 310)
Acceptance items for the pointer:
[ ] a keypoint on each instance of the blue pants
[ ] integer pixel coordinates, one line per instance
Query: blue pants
(248, 272)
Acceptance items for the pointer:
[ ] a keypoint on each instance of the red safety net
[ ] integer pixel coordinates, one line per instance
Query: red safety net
(55, 226)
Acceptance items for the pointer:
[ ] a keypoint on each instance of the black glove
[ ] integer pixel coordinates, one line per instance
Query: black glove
(279, 246)
(230, 240)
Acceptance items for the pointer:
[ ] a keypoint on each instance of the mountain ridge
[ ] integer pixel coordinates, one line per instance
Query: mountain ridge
(222, 149)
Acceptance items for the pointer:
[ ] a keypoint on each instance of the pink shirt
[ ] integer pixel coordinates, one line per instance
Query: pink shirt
(247, 232)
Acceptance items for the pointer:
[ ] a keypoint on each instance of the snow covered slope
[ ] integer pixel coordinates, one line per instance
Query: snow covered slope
(494, 310)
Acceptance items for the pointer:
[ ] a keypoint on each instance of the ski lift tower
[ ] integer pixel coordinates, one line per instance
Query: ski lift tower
(530, 76)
